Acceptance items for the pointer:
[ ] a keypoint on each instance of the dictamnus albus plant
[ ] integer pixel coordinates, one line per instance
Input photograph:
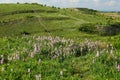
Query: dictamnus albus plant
(54, 47)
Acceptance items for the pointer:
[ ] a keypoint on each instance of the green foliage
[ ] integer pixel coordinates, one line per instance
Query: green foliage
(25, 33)
(119, 13)
(88, 11)
(110, 30)
(25, 17)
(27, 54)
(88, 28)
(105, 66)
(103, 30)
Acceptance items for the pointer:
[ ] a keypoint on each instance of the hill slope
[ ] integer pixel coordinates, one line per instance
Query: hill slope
(45, 43)
(34, 18)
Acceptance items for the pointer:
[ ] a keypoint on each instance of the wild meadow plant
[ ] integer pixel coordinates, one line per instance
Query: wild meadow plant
(54, 47)
(32, 51)
(118, 67)
(106, 64)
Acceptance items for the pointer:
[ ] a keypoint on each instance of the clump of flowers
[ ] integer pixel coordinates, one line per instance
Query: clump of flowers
(54, 47)
(57, 47)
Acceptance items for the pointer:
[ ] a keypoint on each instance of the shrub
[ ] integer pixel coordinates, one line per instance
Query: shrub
(110, 30)
(18, 3)
(25, 33)
(88, 28)
(103, 30)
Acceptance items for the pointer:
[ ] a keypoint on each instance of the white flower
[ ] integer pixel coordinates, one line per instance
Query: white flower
(36, 48)
(81, 49)
(98, 54)
(32, 55)
(107, 51)
(39, 61)
(9, 58)
(93, 60)
(111, 51)
(11, 70)
(61, 73)
(1, 55)
(28, 69)
(2, 69)
(38, 77)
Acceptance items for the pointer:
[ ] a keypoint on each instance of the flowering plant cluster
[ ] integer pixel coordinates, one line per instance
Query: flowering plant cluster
(52, 48)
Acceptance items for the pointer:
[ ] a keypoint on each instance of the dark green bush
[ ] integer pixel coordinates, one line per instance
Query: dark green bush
(110, 30)
(103, 30)
(118, 13)
(25, 33)
(88, 28)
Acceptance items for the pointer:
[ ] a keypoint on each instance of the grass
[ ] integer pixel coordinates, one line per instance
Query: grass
(21, 63)
(57, 19)
(30, 48)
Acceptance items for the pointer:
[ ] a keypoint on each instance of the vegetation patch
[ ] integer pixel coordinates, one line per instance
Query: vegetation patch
(31, 49)
(88, 28)
(87, 11)
(103, 30)
(46, 57)
(110, 30)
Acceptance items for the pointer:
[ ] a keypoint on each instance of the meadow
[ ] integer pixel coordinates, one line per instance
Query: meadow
(38, 42)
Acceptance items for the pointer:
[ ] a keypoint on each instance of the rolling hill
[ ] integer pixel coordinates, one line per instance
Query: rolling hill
(39, 42)
(32, 18)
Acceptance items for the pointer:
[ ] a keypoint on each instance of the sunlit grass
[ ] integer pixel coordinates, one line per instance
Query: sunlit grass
(47, 45)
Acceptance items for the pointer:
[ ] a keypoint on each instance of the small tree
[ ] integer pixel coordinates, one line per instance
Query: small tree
(18, 3)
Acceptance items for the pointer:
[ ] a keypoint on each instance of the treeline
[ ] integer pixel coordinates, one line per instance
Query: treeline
(87, 11)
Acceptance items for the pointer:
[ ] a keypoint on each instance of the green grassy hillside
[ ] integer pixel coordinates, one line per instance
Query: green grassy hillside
(38, 42)
(32, 18)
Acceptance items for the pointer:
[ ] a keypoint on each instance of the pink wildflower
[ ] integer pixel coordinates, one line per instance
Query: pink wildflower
(17, 57)
(2, 61)
(118, 67)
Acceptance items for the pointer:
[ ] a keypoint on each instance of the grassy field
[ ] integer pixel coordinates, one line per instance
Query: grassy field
(38, 42)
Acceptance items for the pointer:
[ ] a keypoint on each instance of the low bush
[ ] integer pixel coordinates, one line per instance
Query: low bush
(25, 33)
(88, 28)
(103, 30)
(110, 30)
